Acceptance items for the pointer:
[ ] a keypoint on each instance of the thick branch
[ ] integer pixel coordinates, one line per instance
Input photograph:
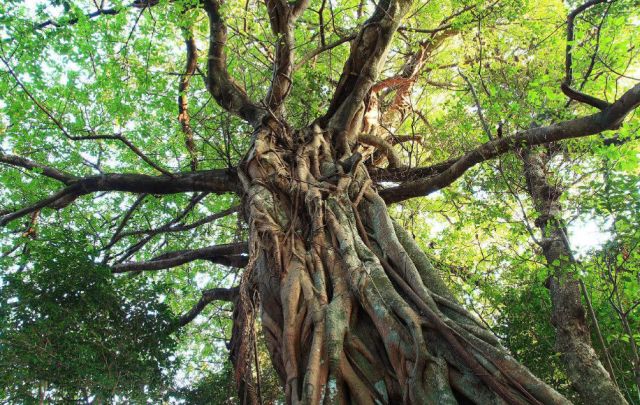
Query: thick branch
(398, 139)
(298, 7)
(222, 87)
(610, 118)
(404, 174)
(183, 103)
(383, 146)
(19, 161)
(282, 17)
(573, 341)
(362, 68)
(232, 255)
(59, 198)
(214, 181)
(208, 296)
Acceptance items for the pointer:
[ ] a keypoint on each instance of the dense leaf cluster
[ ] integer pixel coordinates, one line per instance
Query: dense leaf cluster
(69, 329)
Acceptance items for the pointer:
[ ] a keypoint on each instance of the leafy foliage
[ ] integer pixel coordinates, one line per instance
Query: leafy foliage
(70, 329)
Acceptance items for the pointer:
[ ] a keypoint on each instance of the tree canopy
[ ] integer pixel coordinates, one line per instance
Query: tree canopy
(487, 127)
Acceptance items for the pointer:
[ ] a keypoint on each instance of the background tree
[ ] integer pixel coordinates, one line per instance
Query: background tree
(287, 147)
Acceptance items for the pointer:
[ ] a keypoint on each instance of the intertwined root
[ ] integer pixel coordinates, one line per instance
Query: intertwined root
(351, 309)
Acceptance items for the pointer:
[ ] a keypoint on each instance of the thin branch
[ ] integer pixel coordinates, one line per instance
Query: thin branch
(44, 109)
(66, 133)
(608, 66)
(398, 139)
(312, 54)
(128, 144)
(193, 202)
(444, 25)
(594, 55)
(566, 85)
(485, 126)
(139, 4)
(116, 236)
(72, 21)
(185, 227)
(440, 28)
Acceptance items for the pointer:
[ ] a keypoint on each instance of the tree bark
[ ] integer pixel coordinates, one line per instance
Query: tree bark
(585, 371)
(351, 309)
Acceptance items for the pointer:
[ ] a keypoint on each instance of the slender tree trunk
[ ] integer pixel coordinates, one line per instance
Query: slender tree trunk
(585, 371)
(634, 350)
(351, 308)
(41, 393)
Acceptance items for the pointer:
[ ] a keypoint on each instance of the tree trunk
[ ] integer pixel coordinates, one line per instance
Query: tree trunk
(585, 371)
(351, 309)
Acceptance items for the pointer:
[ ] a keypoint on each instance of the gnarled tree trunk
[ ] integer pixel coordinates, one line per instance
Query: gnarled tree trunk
(351, 308)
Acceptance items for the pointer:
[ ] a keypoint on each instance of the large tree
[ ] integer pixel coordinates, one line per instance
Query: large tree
(308, 119)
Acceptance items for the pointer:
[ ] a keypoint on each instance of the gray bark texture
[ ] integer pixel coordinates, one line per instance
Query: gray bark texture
(582, 365)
